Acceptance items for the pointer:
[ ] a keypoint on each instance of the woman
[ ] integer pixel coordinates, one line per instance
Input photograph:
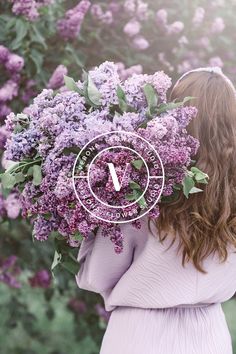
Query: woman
(165, 290)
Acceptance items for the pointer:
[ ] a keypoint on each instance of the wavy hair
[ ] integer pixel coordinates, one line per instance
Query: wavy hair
(205, 223)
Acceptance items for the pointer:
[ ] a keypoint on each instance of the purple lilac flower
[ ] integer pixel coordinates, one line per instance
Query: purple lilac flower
(164, 61)
(216, 61)
(124, 72)
(29, 91)
(107, 79)
(175, 28)
(142, 10)
(22, 144)
(2, 207)
(12, 205)
(4, 110)
(104, 17)
(4, 134)
(57, 78)
(130, 6)
(41, 279)
(162, 17)
(77, 306)
(14, 63)
(198, 16)
(29, 8)
(9, 271)
(140, 43)
(69, 26)
(218, 25)
(132, 28)
(133, 87)
(4, 53)
(105, 315)
(203, 42)
(42, 228)
(8, 91)
(137, 9)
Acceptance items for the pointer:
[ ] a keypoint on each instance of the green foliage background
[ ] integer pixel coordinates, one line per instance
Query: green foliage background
(35, 320)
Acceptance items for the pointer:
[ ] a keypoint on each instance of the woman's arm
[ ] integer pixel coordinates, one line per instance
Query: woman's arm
(101, 267)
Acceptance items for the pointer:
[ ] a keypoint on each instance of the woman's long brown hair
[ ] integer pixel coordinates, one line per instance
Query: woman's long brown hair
(205, 223)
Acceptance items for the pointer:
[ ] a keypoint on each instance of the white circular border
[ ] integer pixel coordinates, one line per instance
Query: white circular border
(108, 133)
(123, 206)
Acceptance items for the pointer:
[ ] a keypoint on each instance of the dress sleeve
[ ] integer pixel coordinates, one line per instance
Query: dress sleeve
(100, 267)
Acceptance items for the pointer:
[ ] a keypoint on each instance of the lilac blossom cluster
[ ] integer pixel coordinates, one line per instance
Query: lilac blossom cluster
(13, 65)
(192, 48)
(55, 124)
(29, 8)
(10, 207)
(124, 72)
(69, 26)
(137, 12)
(190, 58)
(57, 79)
(9, 272)
(41, 279)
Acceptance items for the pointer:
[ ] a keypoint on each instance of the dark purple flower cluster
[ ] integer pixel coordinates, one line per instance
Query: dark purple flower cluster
(9, 272)
(41, 279)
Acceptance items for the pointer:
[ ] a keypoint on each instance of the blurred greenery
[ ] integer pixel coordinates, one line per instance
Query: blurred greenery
(35, 320)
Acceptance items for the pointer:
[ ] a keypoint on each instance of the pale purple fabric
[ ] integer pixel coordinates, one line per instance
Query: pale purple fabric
(158, 306)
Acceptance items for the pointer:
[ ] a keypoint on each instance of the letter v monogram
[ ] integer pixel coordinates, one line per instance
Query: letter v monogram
(114, 176)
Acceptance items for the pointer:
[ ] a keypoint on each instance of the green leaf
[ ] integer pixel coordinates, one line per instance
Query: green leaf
(172, 105)
(137, 164)
(142, 203)
(37, 59)
(21, 29)
(198, 174)
(122, 99)
(8, 180)
(130, 196)
(19, 177)
(75, 150)
(177, 187)
(195, 190)
(203, 181)
(134, 185)
(188, 184)
(93, 94)
(71, 85)
(151, 98)
(70, 264)
(77, 236)
(37, 37)
(37, 175)
(13, 165)
(56, 260)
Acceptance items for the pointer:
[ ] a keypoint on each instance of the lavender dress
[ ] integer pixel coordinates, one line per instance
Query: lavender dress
(158, 306)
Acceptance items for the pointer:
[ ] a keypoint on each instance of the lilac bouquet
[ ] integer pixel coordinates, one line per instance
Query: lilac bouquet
(46, 138)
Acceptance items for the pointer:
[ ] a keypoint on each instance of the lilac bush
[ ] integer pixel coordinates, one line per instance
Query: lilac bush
(13, 65)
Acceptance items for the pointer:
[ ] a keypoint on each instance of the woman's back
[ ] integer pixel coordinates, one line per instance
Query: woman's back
(168, 300)
(157, 279)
